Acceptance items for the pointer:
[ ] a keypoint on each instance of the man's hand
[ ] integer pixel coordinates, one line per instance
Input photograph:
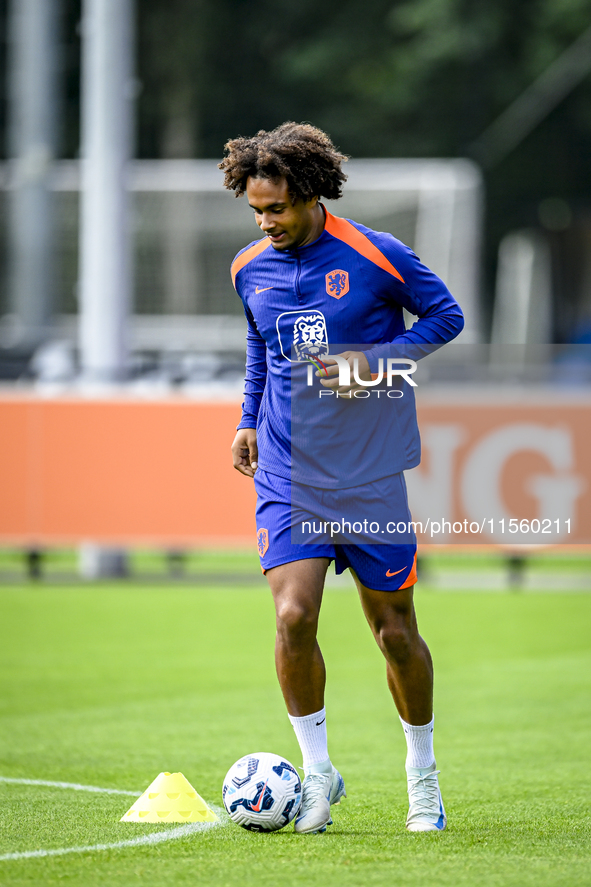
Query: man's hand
(332, 380)
(245, 452)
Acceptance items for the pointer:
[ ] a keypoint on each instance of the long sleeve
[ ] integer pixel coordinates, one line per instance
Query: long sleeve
(440, 318)
(256, 374)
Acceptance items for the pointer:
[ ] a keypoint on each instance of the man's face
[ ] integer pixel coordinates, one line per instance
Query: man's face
(286, 224)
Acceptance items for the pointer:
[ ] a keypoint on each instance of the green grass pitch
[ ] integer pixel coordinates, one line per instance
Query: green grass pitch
(109, 684)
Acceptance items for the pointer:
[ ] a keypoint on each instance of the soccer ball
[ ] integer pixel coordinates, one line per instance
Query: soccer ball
(262, 792)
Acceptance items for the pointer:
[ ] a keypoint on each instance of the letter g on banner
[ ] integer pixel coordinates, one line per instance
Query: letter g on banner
(556, 492)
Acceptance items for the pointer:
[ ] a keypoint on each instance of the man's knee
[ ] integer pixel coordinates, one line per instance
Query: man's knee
(396, 638)
(296, 616)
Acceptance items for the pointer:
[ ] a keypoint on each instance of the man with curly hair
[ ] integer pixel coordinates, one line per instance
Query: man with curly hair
(315, 280)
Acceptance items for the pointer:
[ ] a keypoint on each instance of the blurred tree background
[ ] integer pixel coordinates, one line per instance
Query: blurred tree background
(386, 79)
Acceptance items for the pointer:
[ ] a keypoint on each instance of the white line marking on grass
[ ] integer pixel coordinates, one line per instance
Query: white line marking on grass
(72, 785)
(172, 834)
(153, 838)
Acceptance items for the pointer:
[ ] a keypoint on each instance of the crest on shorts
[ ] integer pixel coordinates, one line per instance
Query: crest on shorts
(302, 334)
(262, 541)
(337, 283)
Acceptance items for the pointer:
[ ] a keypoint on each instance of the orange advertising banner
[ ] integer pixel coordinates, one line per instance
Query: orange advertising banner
(504, 471)
(139, 473)
(121, 471)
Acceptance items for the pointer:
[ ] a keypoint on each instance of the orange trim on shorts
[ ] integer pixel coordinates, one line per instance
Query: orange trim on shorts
(412, 576)
(247, 256)
(348, 233)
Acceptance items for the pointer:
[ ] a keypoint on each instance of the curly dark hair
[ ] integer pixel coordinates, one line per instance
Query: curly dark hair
(301, 153)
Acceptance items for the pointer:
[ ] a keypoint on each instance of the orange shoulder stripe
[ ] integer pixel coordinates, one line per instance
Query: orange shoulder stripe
(247, 256)
(345, 231)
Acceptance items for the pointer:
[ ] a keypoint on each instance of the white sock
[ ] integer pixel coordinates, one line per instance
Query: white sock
(419, 741)
(310, 732)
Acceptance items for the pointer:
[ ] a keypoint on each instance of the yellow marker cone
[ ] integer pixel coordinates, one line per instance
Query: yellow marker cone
(170, 798)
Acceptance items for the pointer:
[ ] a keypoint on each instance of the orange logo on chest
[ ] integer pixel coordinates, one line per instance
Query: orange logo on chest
(337, 283)
(262, 541)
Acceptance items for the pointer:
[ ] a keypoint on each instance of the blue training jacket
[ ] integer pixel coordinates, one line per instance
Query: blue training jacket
(344, 291)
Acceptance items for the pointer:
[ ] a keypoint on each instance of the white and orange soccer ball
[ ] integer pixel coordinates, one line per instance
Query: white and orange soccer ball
(262, 792)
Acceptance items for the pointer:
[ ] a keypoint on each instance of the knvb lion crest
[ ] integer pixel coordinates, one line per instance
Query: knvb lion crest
(302, 334)
(309, 335)
(337, 283)
(262, 541)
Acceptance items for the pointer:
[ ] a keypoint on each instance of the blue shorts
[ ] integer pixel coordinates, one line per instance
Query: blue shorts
(295, 522)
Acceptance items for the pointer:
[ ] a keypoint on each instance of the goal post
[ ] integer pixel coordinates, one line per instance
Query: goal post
(187, 228)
